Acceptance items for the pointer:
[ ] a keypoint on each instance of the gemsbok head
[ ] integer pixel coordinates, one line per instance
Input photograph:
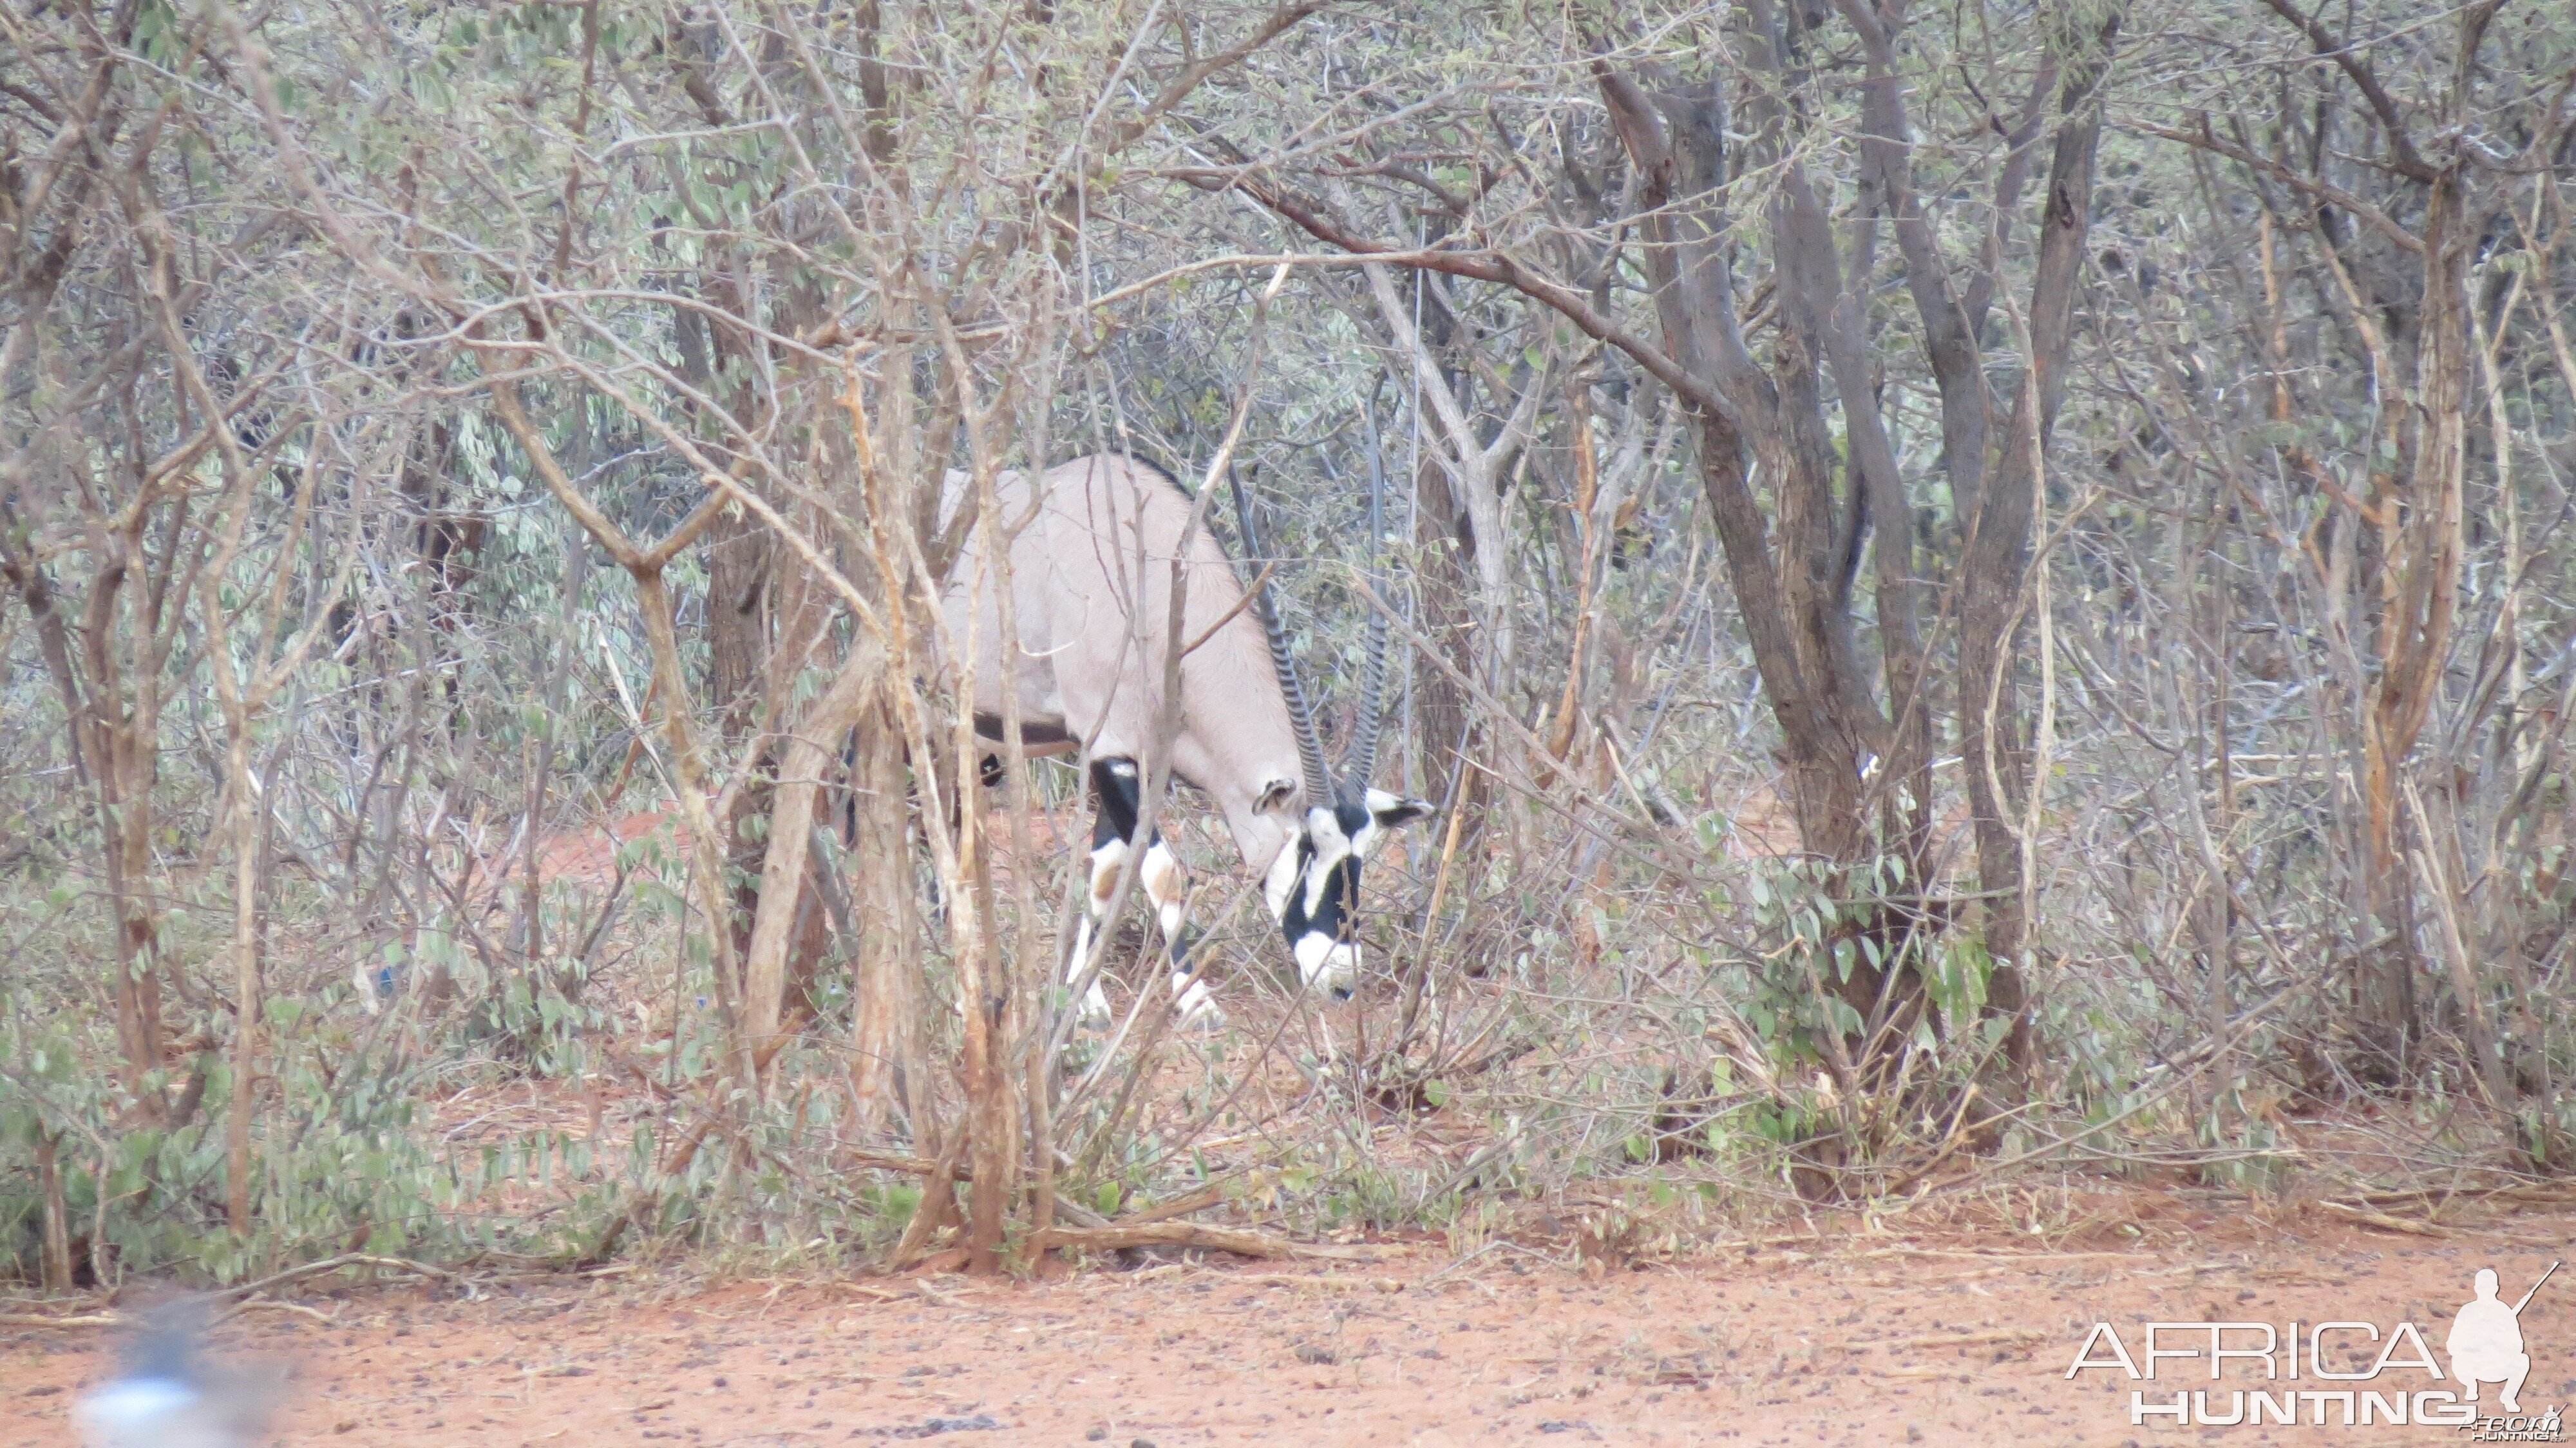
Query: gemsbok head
(1092, 570)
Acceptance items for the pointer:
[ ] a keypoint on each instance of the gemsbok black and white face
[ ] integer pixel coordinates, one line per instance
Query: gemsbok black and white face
(1314, 886)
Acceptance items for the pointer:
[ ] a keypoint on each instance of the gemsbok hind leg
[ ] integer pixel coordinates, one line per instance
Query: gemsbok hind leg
(1121, 792)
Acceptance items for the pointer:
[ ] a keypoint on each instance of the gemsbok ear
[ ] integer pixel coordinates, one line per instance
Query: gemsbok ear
(1274, 794)
(1393, 812)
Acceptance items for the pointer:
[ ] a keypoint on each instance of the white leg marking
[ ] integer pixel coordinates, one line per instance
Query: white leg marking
(1081, 951)
(1105, 862)
(1104, 874)
(1168, 886)
(1165, 884)
(1197, 1006)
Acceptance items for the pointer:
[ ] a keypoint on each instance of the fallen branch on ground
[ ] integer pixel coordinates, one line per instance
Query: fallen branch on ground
(1185, 1234)
(2385, 1222)
(1327, 1282)
(84, 1319)
(1214, 1196)
(334, 1264)
(1961, 1339)
(248, 1295)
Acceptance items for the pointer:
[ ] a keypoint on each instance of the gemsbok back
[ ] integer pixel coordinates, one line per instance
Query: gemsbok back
(1092, 575)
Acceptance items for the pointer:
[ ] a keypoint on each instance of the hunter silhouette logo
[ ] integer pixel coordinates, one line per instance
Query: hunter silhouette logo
(2485, 1345)
(2486, 1340)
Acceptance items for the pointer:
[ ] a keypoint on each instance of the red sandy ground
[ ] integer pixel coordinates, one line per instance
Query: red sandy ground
(1861, 1339)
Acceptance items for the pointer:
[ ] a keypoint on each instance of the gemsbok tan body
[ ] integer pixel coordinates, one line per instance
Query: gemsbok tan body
(1092, 584)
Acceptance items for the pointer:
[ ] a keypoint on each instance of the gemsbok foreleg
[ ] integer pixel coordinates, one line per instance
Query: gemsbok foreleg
(1166, 884)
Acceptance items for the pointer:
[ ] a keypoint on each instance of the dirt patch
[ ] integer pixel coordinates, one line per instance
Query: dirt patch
(1860, 1339)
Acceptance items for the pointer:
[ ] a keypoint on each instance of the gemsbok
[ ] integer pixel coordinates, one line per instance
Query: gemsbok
(1092, 583)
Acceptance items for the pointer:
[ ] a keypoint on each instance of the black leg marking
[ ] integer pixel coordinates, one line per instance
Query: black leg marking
(1122, 796)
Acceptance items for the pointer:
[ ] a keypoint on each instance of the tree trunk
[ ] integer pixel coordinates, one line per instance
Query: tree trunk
(109, 713)
(2419, 523)
(885, 1046)
(1444, 543)
(237, 1196)
(57, 1252)
(811, 750)
(1996, 569)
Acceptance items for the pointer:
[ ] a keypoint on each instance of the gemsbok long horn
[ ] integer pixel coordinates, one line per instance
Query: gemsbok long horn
(1373, 671)
(1310, 748)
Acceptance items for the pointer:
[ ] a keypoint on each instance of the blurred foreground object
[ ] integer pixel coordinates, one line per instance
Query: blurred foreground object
(166, 1395)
